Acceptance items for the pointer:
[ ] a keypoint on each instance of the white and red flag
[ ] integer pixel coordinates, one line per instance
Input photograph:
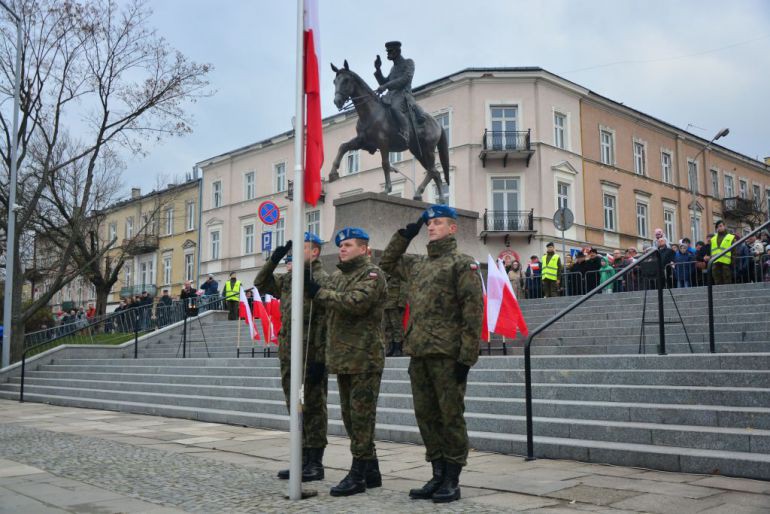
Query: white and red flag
(245, 314)
(504, 315)
(261, 312)
(314, 144)
(273, 306)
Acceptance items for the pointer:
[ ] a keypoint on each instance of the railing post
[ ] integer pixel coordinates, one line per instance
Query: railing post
(528, 402)
(661, 314)
(184, 333)
(21, 389)
(136, 330)
(710, 291)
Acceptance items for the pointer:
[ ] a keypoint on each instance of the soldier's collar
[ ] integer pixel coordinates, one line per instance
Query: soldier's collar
(353, 264)
(442, 246)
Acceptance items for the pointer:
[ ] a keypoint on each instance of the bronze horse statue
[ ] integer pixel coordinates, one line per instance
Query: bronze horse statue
(376, 130)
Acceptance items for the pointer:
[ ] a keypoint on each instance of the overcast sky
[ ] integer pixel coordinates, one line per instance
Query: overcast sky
(703, 63)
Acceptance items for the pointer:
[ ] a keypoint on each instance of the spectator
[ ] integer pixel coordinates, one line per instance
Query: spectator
(532, 275)
(756, 249)
(232, 296)
(606, 273)
(648, 271)
(593, 266)
(516, 276)
(741, 268)
(766, 265)
(721, 269)
(163, 310)
(633, 277)
(658, 235)
(210, 286)
(190, 299)
(701, 252)
(91, 312)
(618, 263)
(667, 256)
(551, 272)
(684, 264)
(575, 278)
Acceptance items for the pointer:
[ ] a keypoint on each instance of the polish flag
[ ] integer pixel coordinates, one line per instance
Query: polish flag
(261, 313)
(314, 145)
(273, 307)
(504, 315)
(405, 319)
(484, 327)
(245, 314)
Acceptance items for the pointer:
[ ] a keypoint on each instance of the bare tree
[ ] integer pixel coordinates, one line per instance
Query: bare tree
(96, 81)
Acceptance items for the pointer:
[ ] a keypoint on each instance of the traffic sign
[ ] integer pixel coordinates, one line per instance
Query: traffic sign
(267, 241)
(268, 212)
(563, 219)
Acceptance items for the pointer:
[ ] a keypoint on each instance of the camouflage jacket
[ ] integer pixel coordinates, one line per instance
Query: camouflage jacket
(279, 285)
(396, 296)
(354, 300)
(446, 302)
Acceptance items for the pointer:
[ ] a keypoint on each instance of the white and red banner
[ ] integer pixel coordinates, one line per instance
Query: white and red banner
(314, 144)
(504, 315)
(273, 307)
(261, 312)
(245, 314)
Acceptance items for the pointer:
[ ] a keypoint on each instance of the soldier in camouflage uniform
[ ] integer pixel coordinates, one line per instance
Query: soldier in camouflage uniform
(446, 305)
(353, 301)
(315, 384)
(393, 317)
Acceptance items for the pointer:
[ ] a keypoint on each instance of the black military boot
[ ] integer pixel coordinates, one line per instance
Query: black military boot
(354, 482)
(450, 487)
(426, 491)
(284, 473)
(373, 476)
(314, 469)
(391, 349)
(399, 349)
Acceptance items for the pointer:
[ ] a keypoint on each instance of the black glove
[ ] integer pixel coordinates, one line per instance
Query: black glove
(461, 372)
(311, 286)
(280, 252)
(412, 229)
(315, 372)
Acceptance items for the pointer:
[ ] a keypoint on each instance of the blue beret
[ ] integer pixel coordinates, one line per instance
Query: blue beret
(439, 211)
(350, 233)
(313, 238)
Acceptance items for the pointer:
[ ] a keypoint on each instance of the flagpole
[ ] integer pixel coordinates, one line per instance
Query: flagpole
(297, 272)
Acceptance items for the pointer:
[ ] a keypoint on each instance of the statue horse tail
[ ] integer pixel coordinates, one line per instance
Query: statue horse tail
(443, 154)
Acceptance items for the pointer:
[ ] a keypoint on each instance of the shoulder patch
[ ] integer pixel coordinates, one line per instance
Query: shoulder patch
(373, 274)
(474, 266)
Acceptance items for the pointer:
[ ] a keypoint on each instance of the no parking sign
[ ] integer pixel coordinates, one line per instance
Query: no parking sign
(268, 212)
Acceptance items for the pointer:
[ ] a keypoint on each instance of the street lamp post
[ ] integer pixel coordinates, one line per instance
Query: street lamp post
(694, 185)
(10, 253)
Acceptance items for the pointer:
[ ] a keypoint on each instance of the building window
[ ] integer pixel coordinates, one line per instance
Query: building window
(639, 158)
(607, 141)
(248, 239)
(113, 232)
(692, 176)
(129, 227)
(504, 126)
(189, 263)
(715, 183)
(394, 157)
(729, 187)
(215, 245)
(665, 164)
(216, 189)
(767, 199)
(249, 185)
(610, 212)
(743, 187)
(669, 227)
(280, 232)
(695, 226)
(757, 196)
(559, 130)
(190, 215)
(128, 266)
(313, 222)
(506, 202)
(443, 121)
(169, 222)
(641, 219)
(562, 195)
(351, 159)
(167, 270)
(279, 172)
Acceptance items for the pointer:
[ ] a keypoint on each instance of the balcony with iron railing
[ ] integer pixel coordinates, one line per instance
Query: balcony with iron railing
(506, 144)
(138, 289)
(508, 223)
(740, 208)
(141, 243)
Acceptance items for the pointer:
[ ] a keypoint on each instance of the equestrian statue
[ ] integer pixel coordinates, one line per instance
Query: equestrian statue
(393, 122)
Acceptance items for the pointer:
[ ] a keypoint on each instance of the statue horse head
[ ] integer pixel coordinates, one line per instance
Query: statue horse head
(349, 86)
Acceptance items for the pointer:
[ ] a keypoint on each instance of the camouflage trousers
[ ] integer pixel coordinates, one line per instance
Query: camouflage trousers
(314, 413)
(393, 325)
(722, 274)
(439, 406)
(358, 401)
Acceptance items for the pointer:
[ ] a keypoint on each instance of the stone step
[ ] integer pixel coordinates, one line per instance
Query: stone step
(666, 458)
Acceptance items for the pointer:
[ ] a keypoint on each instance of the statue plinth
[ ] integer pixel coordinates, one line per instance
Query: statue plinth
(382, 215)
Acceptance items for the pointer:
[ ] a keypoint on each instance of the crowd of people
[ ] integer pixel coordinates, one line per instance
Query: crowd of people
(684, 266)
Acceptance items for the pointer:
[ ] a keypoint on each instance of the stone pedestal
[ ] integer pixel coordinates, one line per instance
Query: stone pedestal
(382, 215)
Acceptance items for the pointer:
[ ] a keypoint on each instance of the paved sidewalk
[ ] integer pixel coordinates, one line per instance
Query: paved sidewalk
(59, 459)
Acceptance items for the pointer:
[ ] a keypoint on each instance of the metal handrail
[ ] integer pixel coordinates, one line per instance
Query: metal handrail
(710, 278)
(556, 317)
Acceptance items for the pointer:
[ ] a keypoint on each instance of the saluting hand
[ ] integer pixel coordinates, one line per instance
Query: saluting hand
(412, 229)
(377, 63)
(280, 252)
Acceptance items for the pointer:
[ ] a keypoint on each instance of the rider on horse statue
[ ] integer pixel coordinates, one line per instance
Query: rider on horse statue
(398, 83)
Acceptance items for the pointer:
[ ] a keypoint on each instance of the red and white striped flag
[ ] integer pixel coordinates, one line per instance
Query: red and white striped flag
(504, 315)
(273, 306)
(261, 313)
(314, 144)
(245, 314)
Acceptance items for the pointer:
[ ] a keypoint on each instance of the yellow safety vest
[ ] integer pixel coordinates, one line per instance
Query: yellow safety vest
(233, 294)
(550, 269)
(727, 242)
